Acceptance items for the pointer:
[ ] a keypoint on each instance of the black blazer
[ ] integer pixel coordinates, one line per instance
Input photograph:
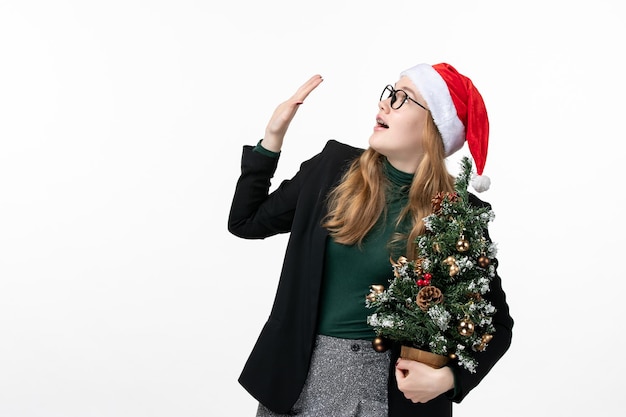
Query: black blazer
(277, 368)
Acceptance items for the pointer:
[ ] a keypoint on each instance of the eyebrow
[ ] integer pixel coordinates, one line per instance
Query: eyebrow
(407, 89)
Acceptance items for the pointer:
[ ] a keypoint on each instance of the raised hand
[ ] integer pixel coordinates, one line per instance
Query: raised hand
(284, 114)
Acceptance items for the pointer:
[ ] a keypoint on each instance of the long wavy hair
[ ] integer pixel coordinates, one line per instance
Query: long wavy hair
(358, 201)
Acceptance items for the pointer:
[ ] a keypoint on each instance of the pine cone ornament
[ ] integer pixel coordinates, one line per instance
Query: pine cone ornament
(436, 201)
(428, 296)
(439, 197)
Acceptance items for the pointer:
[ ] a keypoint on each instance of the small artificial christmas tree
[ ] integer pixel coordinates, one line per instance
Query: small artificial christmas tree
(435, 302)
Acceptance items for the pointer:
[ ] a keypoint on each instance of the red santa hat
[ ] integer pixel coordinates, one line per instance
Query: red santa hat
(458, 111)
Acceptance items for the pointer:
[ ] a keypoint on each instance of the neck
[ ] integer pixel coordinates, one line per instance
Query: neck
(396, 176)
(406, 166)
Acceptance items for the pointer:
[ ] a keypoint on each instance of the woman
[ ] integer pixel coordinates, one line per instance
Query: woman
(349, 210)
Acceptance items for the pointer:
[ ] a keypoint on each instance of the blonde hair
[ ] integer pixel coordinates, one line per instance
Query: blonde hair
(358, 201)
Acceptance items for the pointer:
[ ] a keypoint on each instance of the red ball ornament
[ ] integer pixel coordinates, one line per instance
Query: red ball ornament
(428, 276)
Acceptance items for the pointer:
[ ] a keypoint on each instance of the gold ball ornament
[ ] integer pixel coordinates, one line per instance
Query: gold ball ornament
(465, 327)
(483, 262)
(380, 344)
(454, 269)
(462, 245)
(449, 260)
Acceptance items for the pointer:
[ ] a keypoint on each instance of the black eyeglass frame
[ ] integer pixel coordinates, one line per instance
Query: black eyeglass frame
(394, 97)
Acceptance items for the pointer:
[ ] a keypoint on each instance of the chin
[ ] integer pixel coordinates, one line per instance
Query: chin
(375, 141)
(377, 144)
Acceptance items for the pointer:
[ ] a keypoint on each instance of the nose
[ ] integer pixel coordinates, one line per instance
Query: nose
(385, 104)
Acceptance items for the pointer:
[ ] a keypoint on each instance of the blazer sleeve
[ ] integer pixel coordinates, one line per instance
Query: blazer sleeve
(255, 212)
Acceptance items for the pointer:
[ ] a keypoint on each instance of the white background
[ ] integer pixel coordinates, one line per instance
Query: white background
(121, 127)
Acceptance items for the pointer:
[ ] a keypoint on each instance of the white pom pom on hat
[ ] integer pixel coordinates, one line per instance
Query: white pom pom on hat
(458, 111)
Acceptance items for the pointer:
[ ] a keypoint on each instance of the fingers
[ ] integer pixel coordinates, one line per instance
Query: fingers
(283, 115)
(421, 383)
(305, 89)
(287, 109)
(404, 364)
(401, 375)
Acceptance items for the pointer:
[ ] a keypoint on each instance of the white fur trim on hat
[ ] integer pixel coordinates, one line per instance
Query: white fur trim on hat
(435, 92)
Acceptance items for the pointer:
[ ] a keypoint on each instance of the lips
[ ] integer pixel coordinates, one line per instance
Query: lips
(381, 123)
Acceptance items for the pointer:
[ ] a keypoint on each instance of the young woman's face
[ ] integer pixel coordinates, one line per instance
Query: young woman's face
(398, 132)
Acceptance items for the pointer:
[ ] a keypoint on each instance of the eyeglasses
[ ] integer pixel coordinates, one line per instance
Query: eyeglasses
(398, 97)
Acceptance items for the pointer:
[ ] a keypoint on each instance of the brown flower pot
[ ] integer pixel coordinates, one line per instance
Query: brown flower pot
(431, 359)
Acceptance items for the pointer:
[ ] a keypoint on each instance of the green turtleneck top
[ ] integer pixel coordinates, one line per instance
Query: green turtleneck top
(350, 270)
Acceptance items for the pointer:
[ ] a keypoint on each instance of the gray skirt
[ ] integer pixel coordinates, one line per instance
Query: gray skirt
(347, 378)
